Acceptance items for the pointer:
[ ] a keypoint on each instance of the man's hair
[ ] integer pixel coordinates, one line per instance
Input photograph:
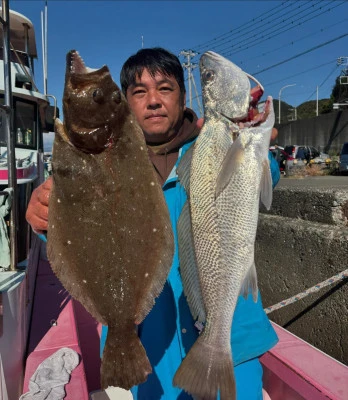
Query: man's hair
(154, 60)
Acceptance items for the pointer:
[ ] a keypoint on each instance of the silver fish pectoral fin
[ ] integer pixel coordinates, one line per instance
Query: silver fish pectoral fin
(266, 189)
(234, 157)
(188, 266)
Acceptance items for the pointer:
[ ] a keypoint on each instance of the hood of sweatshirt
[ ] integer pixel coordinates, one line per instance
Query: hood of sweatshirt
(164, 156)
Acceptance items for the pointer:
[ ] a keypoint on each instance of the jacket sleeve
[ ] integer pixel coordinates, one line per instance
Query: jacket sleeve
(275, 171)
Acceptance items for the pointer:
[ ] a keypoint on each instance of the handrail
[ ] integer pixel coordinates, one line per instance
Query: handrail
(8, 129)
(55, 105)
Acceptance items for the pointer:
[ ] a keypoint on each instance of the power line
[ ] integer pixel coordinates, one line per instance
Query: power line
(293, 42)
(299, 73)
(322, 83)
(246, 25)
(273, 29)
(272, 33)
(300, 54)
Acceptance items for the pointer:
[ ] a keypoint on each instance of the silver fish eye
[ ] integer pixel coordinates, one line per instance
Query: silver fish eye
(98, 96)
(208, 75)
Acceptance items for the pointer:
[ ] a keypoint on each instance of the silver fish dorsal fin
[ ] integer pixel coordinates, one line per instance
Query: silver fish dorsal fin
(184, 168)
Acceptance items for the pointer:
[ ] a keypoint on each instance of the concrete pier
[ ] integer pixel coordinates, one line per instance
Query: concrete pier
(302, 241)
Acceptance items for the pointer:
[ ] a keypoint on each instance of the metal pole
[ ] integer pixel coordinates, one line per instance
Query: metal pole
(189, 78)
(197, 97)
(8, 128)
(317, 100)
(46, 47)
(189, 66)
(280, 93)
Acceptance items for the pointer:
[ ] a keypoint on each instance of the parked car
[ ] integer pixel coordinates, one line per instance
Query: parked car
(343, 163)
(302, 155)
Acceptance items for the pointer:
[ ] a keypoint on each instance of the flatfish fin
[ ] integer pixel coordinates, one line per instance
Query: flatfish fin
(184, 168)
(234, 157)
(59, 130)
(69, 274)
(156, 287)
(188, 266)
(266, 192)
(250, 280)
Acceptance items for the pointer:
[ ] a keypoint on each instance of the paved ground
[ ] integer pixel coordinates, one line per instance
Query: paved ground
(315, 181)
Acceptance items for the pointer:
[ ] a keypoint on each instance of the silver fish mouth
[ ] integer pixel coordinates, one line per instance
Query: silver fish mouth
(233, 120)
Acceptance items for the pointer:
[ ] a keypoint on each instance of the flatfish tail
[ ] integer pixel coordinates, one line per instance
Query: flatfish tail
(125, 362)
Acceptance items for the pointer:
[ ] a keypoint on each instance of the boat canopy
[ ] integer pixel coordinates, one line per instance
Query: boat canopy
(18, 24)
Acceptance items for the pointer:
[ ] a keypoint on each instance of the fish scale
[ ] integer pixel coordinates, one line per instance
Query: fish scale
(224, 179)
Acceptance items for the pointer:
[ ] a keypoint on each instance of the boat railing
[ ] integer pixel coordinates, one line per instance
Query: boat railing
(7, 126)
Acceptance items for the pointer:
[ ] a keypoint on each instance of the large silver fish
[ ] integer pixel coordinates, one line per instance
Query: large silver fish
(224, 179)
(109, 233)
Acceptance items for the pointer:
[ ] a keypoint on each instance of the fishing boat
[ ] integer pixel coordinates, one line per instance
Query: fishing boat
(37, 316)
(24, 116)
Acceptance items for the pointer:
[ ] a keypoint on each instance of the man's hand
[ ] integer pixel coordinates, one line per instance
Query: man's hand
(37, 211)
(199, 123)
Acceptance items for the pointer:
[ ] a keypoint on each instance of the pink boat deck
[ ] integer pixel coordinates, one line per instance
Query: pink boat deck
(59, 321)
(293, 369)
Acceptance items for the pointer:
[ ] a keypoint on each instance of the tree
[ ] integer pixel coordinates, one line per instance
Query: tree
(339, 92)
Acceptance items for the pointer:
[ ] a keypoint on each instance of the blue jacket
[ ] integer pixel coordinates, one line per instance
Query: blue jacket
(168, 332)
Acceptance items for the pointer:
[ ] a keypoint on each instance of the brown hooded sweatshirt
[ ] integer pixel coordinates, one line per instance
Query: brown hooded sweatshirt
(164, 156)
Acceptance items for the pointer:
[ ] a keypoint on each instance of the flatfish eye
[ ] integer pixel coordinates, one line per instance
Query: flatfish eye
(208, 76)
(116, 97)
(98, 96)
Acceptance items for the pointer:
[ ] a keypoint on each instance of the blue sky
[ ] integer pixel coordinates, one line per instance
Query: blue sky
(256, 35)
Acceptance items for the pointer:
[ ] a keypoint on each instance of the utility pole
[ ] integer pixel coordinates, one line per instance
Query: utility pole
(344, 73)
(343, 80)
(317, 100)
(279, 99)
(293, 117)
(189, 54)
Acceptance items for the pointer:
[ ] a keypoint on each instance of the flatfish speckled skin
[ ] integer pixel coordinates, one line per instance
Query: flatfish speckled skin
(109, 236)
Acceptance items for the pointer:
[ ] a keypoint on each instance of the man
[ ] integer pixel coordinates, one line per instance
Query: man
(153, 83)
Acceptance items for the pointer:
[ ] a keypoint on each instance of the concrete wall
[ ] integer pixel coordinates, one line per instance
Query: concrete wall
(301, 242)
(325, 132)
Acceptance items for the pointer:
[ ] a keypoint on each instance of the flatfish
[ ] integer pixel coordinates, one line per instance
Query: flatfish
(110, 240)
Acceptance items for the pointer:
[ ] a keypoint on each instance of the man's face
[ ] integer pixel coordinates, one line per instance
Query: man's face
(158, 106)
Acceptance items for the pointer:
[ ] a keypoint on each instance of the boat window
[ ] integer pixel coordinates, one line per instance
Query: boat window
(24, 124)
(18, 57)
